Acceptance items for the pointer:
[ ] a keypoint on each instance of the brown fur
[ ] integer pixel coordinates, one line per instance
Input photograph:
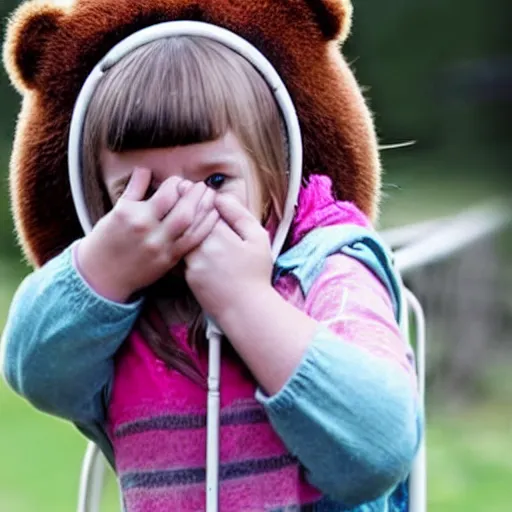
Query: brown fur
(50, 50)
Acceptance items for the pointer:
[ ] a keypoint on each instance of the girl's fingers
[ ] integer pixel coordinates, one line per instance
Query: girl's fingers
(203, 209)
(184, 213)
(206, 203)
(184, 186)
(195, 236)
(137, 185)
(238, 218)
(166, 197)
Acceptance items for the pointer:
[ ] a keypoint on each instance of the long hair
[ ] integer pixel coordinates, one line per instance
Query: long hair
(174, 92)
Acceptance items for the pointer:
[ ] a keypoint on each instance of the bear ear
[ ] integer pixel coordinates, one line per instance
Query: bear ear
(334, 17)
(30, 28)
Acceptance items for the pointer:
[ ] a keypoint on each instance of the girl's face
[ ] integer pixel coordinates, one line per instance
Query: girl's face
(222, 164)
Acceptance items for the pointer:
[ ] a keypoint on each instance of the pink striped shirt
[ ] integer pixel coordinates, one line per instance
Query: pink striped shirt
(157, 417)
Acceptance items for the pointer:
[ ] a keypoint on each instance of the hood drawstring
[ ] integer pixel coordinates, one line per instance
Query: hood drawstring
(214, 337)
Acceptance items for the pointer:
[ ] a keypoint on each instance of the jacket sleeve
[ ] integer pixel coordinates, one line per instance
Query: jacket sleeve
(350, 413)
(58, 344)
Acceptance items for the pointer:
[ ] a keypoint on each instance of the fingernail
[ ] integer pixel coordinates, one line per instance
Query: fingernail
(184, 186)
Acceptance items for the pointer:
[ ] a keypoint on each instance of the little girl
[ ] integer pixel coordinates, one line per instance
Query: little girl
(185, 177)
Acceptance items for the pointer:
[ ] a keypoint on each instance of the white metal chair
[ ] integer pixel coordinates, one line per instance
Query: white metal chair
(93, 467)
(418, 477)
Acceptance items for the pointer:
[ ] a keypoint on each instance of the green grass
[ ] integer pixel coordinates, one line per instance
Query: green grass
(39, 461)
(469, 460)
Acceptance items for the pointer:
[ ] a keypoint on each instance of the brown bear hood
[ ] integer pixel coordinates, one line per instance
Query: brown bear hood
(51, 47)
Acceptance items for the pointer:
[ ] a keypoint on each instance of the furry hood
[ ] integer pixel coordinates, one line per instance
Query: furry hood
(52, 46)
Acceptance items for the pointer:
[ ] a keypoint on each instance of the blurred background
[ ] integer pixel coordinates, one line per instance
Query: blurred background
(440, 74)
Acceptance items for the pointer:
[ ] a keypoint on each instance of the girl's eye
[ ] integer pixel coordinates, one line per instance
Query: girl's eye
(215, 181)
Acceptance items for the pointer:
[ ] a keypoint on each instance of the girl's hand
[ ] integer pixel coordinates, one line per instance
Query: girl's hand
(140, 240)
(230, 275)
(233, 262)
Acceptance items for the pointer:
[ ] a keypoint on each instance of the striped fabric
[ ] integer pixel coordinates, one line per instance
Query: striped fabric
(157, 424)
